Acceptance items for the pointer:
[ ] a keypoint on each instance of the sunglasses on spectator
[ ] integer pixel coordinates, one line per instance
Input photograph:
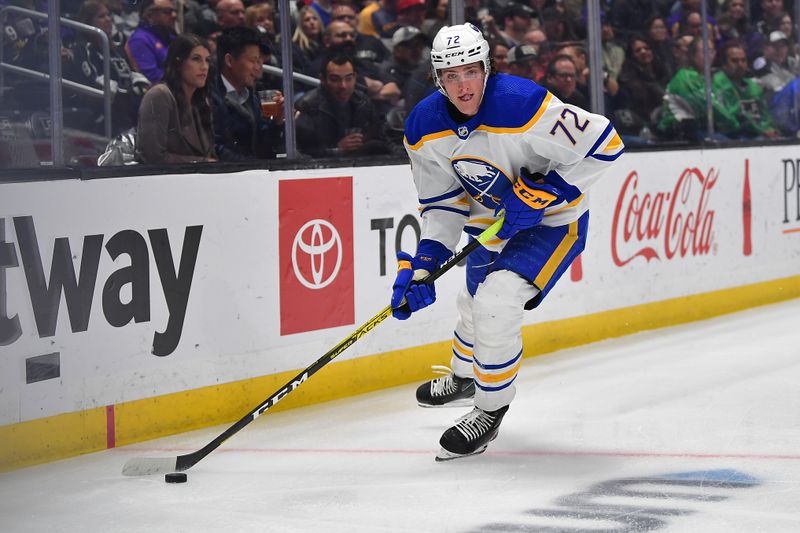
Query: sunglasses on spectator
(345, 17)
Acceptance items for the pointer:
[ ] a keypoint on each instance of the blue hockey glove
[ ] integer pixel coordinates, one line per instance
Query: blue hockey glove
(525, 203)
(410, 272)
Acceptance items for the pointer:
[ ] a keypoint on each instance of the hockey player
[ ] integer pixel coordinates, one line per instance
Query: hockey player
(487, 142)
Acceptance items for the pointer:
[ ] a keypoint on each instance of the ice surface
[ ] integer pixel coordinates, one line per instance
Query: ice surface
(691, 429)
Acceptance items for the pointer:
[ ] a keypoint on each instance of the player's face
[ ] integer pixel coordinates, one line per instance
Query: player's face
(464, 87)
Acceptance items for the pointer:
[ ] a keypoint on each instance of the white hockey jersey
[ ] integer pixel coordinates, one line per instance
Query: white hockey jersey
(461, 171)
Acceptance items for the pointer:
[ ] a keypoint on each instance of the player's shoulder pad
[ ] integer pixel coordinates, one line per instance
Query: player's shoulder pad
(426, 118)
(512, 102)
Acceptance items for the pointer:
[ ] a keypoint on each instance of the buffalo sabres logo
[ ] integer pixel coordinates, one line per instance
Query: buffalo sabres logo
(482, 180)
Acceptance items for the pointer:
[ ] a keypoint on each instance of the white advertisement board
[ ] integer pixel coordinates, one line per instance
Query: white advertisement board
(113, 290)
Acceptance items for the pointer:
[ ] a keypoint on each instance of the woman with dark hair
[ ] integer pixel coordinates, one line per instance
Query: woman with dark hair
(86, 67)
(734, 22)
(657, 36)
(643, 80)
(175, 115)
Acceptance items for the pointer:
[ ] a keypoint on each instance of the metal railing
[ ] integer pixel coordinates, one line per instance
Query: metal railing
(105, 94)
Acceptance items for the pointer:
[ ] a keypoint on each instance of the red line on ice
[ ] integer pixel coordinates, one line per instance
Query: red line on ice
(516, 453)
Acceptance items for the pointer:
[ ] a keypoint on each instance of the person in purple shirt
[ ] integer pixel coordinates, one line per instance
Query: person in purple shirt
(147, 47)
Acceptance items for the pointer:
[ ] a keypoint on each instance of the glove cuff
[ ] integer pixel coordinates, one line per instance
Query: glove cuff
(534, 195)
(430, 255)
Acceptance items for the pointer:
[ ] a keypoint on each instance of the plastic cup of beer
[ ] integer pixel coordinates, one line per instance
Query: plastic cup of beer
(269, 107)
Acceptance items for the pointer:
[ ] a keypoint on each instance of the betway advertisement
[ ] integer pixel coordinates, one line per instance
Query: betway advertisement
(113, 290)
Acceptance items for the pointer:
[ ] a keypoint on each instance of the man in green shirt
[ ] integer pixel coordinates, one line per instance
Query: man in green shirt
(684, 109)
(741, 96)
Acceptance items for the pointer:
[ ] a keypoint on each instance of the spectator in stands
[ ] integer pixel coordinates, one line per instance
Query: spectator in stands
(340, 37)
(742, 96)
(680, 52)
(499, 52)
(436, 19)
(516, 23)
(687, 20)
(307, 39)
(785, 109)
(230, 13)
(683, 114)
(660, 42)
(561, 81)
(175, 117)
(260, 18)
(384, 19)
(147, 47)
(367, 48)
(613, 52)
(522, 61)
(776, 69)
(786, 25)
(555, 26)
(643, 81)
(125, 17)
(537, 39)
(337, 119)
(199, 16)
(86, 67)
(734, 22)
(769, 21)
(408, 48)
(323, 9)
(410, 13)
(581, 60)
(365, 24)
(240, 130)
(627, 15)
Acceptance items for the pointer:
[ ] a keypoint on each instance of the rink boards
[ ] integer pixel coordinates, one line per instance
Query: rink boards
(135, 307)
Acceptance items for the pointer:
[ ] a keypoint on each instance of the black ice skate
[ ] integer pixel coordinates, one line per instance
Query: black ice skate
(471, 435)
(447, 391)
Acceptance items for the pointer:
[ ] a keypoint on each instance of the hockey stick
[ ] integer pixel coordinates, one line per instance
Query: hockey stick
(142, 466)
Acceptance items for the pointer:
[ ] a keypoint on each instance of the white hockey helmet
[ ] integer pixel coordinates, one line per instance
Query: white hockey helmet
(458, 45)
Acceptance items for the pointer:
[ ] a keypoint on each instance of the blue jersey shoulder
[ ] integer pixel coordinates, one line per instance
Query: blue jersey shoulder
(511, 102)
(426, 118)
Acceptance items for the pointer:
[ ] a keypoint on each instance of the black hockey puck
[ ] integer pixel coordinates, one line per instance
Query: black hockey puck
(175, 477)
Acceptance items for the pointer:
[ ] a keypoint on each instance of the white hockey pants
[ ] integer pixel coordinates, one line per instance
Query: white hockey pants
(487, 344)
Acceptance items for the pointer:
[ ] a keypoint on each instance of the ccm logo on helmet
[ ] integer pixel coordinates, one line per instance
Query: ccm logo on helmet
(454, 54)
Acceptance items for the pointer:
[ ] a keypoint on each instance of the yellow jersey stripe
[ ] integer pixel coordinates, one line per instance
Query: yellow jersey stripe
(496, 378)
(613, 145)
(530, 123)
(429, 137)
(558, 256)
(463, 350)
(573, 203)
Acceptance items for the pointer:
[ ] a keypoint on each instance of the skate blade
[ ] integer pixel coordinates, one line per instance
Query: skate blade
(465, 402)
(445, 455)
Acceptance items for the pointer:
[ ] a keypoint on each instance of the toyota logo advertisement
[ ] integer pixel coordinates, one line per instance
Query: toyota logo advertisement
(316, 254)
(313, 243)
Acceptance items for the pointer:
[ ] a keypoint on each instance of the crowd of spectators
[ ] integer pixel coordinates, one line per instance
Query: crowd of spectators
(194, 68)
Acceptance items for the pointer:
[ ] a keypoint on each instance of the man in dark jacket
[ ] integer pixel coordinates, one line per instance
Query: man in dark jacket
(240, 130)
(336, 119)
